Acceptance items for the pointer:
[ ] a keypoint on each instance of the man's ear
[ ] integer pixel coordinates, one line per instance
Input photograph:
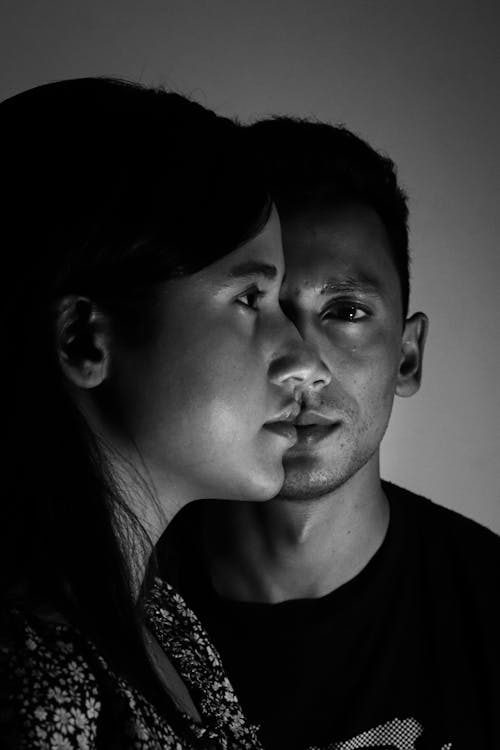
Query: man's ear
(82, 340)
(412, 353)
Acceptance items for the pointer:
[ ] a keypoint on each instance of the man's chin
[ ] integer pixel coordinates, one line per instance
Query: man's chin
(307, 484)
(301, 498)
(309, 477)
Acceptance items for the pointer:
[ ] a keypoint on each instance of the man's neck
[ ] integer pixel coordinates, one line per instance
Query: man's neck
(281, 550)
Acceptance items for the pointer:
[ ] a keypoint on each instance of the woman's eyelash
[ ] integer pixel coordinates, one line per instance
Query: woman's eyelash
(253, 294)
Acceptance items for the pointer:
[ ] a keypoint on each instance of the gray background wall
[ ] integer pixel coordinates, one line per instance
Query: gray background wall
(417, 78)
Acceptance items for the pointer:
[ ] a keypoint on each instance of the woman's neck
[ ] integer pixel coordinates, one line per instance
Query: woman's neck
(150, 502)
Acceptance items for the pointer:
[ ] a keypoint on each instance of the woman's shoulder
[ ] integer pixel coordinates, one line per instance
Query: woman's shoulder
(179, 630)
(183, 637)
(58, 692)
(48, 690)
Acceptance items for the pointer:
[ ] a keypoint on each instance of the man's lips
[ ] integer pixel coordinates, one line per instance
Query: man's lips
(313, 433)
(304, 428)
(312, 428)
(306, 418)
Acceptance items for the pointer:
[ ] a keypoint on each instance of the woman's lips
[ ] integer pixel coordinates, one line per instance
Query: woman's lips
(285, 429)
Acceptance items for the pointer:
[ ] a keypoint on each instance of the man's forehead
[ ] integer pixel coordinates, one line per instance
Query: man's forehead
(343, 249)
(350, 225)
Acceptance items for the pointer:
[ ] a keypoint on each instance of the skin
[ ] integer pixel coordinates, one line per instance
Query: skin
(342, 292)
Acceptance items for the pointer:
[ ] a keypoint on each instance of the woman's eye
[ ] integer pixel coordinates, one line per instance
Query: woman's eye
(349, 312)
(250, 298)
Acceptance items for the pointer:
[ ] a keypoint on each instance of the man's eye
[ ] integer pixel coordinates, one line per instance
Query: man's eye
(346, 311)
(250, 298)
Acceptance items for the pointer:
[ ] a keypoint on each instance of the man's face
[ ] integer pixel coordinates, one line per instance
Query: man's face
(343, 293)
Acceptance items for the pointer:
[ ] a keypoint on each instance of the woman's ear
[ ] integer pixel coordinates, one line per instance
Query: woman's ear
(82, 340)
(412, 353)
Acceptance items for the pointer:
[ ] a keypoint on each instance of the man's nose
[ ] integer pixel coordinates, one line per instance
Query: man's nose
(300, 368)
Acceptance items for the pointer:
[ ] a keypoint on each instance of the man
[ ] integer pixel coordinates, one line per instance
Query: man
(349, 613)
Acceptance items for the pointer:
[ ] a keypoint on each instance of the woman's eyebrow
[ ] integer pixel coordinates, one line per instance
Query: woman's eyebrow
(253, 268)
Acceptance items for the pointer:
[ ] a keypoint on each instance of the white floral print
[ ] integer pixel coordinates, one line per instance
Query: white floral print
(58, 693)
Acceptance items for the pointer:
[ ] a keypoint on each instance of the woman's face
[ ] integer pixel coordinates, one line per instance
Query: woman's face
(223, 363)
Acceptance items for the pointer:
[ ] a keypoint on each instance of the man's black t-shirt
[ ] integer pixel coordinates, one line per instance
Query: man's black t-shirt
(405, 655)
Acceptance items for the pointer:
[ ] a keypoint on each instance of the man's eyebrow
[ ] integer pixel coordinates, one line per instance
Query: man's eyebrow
(346, 284)
(251, 268)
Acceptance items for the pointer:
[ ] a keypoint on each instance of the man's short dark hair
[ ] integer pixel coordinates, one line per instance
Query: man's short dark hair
(312, 164)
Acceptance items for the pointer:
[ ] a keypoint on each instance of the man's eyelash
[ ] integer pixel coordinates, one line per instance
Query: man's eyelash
(343, 304)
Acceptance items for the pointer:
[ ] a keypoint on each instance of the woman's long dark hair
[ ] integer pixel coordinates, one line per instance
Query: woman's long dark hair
(107, 188)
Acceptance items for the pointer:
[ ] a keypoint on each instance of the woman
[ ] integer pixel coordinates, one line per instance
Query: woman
(145, 363)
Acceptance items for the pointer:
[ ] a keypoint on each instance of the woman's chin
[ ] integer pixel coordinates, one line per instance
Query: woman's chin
(264, 486)
(258, 481)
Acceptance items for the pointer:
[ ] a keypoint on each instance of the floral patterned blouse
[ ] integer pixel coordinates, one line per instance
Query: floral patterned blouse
(58, 693)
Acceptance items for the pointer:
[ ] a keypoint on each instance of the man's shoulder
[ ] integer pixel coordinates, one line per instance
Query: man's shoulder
(445, 529)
